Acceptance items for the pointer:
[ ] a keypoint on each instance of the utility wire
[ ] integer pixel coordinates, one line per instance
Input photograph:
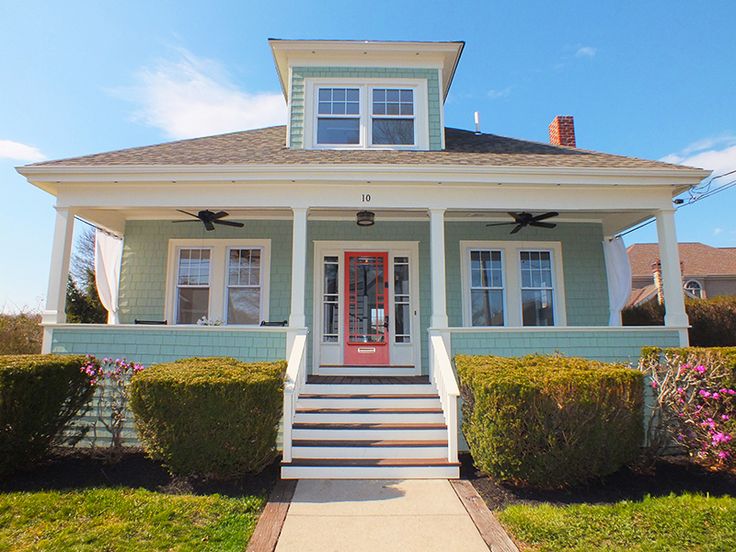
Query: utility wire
(103, 230)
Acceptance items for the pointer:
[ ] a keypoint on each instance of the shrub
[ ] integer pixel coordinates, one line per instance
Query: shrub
(549, 421)
(39, 395)
(694, 403)
(20, 334)
(213, 417)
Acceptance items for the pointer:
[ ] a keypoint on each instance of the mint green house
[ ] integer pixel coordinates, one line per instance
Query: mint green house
(366, 243)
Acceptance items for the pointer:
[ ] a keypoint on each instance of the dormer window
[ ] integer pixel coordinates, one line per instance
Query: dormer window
(380, 115)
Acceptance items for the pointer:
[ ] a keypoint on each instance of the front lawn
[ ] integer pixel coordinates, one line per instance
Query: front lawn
(125, 519)
(684, 522)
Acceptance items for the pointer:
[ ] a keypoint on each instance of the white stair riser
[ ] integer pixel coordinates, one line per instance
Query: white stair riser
(371, 417)
(368, 389)
(369, 452)
(364, 472)
(362, 434)
(366, 371)
(368, 403)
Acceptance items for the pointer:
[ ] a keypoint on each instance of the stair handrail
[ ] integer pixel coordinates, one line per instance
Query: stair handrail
(443, 376)
(294, 380)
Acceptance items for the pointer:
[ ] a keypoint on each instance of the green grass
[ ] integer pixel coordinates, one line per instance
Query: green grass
(685, 522)
(125, 519)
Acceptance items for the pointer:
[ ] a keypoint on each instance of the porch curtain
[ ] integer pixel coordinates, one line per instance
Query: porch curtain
(618, 271)
(108, 254)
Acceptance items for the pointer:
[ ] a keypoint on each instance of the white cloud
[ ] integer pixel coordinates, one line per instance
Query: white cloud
(496, 94)
(16, 151)
(193, 96)
(716, 153)
(586, 52)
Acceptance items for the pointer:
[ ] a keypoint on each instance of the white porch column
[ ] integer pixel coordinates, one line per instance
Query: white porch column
(669, 256)
(298, 268)
(59, 272)
(438, 319)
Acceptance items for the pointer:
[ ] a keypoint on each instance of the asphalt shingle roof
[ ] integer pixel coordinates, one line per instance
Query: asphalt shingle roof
(698, 259)
(266, 146)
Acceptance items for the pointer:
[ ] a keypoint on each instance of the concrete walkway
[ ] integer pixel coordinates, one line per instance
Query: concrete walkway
(356, 515)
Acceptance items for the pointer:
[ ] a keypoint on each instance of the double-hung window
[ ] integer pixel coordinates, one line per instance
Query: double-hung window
(192, 285)
(338, 116)
(392, 116)
(244, 286)
(537, 288)
(486, 287)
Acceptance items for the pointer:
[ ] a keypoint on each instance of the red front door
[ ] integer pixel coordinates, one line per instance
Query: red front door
(366, 298)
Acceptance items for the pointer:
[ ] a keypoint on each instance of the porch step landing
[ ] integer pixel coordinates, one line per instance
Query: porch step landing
(369, 427)
(354, 370)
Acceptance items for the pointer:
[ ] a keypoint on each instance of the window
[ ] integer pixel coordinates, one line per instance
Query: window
(192, 285)
(223, 281)
(402, 301)
(393, 116)
(512, 283)
(330, 301)
(537, 290)
(338, 116)
(486, 287)
(244, 286)
(694, 289)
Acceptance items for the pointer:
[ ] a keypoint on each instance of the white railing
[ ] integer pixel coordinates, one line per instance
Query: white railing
(294, 380)
(443, 376)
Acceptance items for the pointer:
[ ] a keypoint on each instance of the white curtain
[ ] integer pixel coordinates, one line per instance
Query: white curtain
(108, 254)
(618, 271)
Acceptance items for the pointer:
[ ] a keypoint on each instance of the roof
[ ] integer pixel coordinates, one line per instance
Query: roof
(267, 146)
(698, 259)
(641, 295)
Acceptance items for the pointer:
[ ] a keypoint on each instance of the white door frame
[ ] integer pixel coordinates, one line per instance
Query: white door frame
(338, 248)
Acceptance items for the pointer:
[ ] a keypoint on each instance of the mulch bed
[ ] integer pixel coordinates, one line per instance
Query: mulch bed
(671, 475)
(73, 469)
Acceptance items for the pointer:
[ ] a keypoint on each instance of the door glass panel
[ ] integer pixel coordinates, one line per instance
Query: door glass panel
(366, 299)
(330, 304)
(402, 301)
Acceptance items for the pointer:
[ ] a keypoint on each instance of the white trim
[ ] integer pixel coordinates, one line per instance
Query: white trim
(510, 329)
(512, 279)
(218, 276)
(167, 327)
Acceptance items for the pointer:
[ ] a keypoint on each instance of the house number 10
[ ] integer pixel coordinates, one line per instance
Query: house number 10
(366, 198)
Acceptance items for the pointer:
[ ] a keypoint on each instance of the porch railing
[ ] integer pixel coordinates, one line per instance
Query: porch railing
(443, 376)
(294, 381)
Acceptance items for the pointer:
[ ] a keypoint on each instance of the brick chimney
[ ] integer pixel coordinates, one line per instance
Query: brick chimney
(562, 131)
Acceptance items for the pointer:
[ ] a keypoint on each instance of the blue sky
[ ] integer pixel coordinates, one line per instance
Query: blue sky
(648, 79)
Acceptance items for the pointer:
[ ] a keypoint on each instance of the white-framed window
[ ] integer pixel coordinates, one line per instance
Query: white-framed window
(331, 299)
(512, 283)
(221, 280)
(360, 113)
(694, 289)
(402, 300)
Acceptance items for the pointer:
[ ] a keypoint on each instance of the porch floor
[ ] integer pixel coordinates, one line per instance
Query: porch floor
(370, 380)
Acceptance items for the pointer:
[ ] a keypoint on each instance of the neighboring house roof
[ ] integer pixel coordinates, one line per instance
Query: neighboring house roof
(266, 146)
(698, 259)
(641, 295)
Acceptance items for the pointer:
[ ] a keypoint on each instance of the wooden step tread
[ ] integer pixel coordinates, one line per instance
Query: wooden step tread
(369, 411)
(367, 380)
(369, 443)
(365, 425)
(368, 396)
(368, 462)
(367, 366)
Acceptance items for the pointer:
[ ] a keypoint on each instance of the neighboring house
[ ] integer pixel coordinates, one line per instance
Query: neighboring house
(706, 271)
(374, 231)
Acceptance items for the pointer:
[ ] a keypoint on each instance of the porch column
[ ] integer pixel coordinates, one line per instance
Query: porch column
(59, 272)
(437, 256)
(669, 256)
(298, 267)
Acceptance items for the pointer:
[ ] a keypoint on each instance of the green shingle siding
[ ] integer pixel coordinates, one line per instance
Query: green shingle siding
(298, 74)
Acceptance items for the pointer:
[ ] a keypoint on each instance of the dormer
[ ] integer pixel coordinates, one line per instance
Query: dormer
(365, 94)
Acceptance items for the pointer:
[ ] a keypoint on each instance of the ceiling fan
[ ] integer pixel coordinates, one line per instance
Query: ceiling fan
(210, 218)
(527, 219)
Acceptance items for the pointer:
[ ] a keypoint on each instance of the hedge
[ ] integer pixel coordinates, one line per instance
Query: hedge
(212, 417)
(39, 396)
(549, 421)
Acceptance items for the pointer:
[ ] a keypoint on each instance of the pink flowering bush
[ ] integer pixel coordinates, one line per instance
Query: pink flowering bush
(111, 377)
(694, 405)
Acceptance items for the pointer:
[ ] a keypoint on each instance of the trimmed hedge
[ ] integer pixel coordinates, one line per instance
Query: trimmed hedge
(213, 417)
(39, 396)
(547, 421)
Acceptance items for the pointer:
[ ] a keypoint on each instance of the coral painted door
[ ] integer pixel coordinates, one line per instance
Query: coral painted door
(366, 298)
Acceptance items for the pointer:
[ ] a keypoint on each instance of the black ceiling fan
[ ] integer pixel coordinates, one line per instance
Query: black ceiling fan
(527, 219)
(210, 218)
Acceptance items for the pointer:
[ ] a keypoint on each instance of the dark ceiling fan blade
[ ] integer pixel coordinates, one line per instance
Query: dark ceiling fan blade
(208, 225)
(500, 223)
(518, 227)
(543, 224)
(188, 213)
(544, 216)
(229, 223)
(518, 217)
(185, 221)
(218, 215)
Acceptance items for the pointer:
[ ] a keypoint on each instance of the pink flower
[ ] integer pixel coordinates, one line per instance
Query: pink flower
(654, 384)
(700, 369)
(705, 394)
(721, 437)
(680, 390)
(725, 417)
(723, 455)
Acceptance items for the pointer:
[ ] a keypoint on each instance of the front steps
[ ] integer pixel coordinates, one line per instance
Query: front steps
(369, 427)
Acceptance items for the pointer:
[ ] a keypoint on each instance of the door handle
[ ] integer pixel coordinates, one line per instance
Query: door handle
(385, 323)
